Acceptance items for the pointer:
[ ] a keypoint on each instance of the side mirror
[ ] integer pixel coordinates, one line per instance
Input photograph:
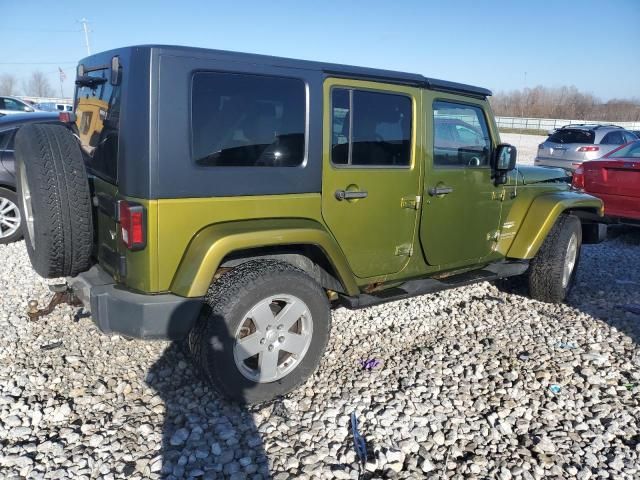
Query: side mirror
(506, 156)
(504, 161)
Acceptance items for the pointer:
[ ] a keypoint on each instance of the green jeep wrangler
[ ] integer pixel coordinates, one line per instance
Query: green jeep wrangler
(232, 200)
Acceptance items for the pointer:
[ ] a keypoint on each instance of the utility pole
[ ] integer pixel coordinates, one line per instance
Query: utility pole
(85, 27)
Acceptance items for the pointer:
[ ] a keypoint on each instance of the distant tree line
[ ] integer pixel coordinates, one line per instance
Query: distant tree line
(564, 102)
(36, 85)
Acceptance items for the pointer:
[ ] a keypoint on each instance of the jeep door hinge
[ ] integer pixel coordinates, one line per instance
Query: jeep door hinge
(411, 202)
(404, 250)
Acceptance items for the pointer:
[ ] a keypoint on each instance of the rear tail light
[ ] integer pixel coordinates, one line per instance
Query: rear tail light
(577, 181)
(588, 149)
(132, 225)
(67, 117)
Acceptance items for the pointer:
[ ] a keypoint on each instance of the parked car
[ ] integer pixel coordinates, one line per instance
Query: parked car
(10, 217)
(569, 146)
(278, 189)
(54, 107)
(10, 105)
(616, 180)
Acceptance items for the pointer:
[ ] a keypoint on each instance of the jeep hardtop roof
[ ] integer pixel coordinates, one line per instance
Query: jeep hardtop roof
(334, 69)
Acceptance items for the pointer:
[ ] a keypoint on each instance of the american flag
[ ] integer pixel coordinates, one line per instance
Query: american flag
(62, 75)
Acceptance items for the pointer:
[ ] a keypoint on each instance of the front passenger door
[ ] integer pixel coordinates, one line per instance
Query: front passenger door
(461, 212)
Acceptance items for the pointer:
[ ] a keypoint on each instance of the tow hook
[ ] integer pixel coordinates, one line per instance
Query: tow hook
(61, 294)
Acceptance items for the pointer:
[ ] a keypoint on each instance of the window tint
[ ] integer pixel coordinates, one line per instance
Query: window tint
(460, 136)
(370, 128)
(568, 135)
(629, 137)
(97, 105)
(247, 120)
(10, 104)
(613, 138)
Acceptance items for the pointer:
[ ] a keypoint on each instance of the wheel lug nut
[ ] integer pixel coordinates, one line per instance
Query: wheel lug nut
(268, 327)
(271, 348)
(262, 341)
(281, 339)
(280, 327)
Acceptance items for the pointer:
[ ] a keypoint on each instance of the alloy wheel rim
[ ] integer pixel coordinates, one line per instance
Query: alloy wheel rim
(26, 205)
(570, 260)
(9, 218)
(273, 338)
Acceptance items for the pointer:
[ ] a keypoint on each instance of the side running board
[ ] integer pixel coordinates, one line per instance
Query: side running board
(413, 288)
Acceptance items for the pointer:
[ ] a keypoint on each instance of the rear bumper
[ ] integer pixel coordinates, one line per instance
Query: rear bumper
(567, 165)
(115, 309)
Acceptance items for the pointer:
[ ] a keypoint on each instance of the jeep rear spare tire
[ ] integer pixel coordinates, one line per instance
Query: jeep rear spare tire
(55, 201)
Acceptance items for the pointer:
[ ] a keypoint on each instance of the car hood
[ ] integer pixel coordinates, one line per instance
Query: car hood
(529, 174)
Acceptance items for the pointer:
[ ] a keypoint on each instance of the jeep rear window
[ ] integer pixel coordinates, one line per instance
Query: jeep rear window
(572, 136)
(240, 120)
(97, 109)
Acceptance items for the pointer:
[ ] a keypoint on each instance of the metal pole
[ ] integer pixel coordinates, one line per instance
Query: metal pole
(61, 92)
(86, 34)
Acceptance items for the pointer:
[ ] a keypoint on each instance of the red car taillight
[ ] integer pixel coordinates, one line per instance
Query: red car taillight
(577, 181)
(132, 225)
(588, 149)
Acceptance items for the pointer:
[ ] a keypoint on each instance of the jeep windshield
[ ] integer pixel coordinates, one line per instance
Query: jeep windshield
(97, 108)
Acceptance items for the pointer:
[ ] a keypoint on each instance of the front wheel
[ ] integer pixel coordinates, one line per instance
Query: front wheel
(262, 332)
(552, 271)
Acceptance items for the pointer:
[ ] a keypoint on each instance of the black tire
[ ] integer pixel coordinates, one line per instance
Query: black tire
(60, 239)
(547, 268)
(228, 301)
(9, 201)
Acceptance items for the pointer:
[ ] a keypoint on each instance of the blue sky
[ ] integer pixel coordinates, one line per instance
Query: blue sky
(593, 45)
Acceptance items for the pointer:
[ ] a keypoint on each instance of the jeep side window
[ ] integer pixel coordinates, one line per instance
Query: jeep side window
(370, 128)
(240, 120)
(460, 135)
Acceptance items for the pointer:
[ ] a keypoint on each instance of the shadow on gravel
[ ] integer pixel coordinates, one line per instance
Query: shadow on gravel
(608, 280)
(204, 435)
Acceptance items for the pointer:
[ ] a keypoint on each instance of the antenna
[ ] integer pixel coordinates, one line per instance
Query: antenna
(85, 27)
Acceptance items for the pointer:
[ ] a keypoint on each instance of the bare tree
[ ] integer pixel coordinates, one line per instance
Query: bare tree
(38, 85)
(8, 84)
(564, 102)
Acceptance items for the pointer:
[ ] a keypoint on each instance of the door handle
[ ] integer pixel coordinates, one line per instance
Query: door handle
(350, 195)
(435, 191)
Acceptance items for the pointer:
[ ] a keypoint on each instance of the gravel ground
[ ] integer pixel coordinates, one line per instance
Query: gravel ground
(477, 382)
(527, 145)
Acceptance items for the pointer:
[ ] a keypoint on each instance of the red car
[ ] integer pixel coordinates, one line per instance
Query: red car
(616, 180)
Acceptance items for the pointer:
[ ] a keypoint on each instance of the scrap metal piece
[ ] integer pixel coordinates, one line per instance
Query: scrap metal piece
(358, 441)
(62, 294)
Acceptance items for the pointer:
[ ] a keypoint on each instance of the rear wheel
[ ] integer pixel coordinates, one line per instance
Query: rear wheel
(262, 332)
(552, 271)
(10, 218)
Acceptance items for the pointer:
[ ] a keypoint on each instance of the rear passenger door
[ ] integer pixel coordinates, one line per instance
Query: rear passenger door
(371, 178)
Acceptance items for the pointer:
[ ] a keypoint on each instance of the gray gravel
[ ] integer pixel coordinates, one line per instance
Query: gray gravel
(465, 389)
